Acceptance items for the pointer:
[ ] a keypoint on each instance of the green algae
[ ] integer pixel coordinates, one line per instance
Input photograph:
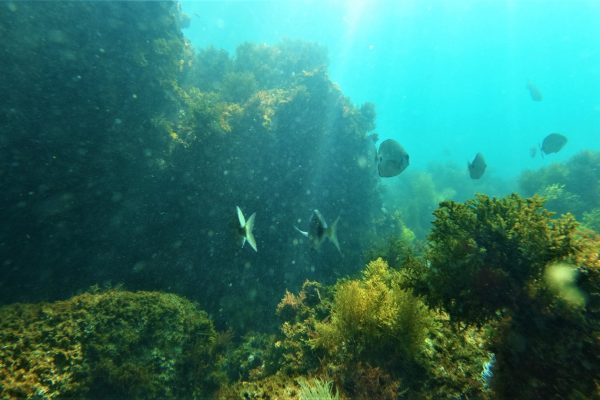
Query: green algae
(374, 336)
(374, 339)
(114, 344)
(375, 317)
(568, 187)
(489, 264)
(317, 389)
(485, 252)
(591, 219)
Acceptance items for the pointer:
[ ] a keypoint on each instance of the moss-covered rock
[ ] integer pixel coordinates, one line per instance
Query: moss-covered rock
(82, 83)
(114, 344)
(112, 130)
(591, 219)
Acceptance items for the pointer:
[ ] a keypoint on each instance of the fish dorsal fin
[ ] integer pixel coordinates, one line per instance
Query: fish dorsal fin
(332, 234)
(248, 227)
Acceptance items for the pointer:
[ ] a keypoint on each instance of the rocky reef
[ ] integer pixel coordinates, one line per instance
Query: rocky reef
(126, 153)
(82, 83)
(119, 137)
(503, 303)
(111, 344)
(420, 329)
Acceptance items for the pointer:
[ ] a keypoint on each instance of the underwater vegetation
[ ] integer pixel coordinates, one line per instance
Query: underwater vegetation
(317, 390)
(414, 199)
(572, 187)
(127, 152)
(253, 67)
(375, 317)
(112, 344)
(372, 338)
(137, 148)
(591, 219)
(439, 325)
(533, 279)
(503, 303)
(484, 253)
(418, 193)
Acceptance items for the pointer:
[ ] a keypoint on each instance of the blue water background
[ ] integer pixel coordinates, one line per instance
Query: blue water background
(448, 78)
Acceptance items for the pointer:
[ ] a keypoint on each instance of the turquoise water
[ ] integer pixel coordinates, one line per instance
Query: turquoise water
(448, 79)
(135, 167)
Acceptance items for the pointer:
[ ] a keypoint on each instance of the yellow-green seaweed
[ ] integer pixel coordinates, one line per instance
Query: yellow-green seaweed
(489, 262)
(113, 344)
(375, 317)
(485, 252)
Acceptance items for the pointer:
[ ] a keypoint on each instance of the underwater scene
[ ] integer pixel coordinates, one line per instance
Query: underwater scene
(300, 199)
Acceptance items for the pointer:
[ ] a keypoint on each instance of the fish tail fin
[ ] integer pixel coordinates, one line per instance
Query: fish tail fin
(249, 236)
(332, 234)
(240, 216)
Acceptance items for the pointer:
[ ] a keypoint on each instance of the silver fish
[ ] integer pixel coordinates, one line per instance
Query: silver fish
(392, 159)
(244, 231)
(477, 167)
(318, 230)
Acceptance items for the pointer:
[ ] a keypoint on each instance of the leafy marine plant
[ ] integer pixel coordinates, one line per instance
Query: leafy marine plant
(370, 335)
(591, 219)
(376, 318)
(317, 389)
(485, 252)
(573, 186)
(511, 265)
(113, 344)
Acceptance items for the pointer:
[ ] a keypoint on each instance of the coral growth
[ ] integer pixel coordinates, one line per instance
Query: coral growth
(114, 344)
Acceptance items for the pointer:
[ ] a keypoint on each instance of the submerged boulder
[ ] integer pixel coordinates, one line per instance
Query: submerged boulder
(112, 344)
